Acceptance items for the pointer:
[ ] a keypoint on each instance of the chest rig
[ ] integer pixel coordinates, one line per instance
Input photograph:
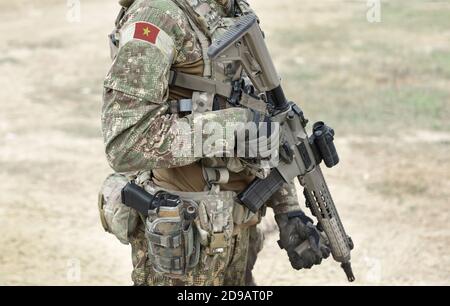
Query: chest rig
(223, 84)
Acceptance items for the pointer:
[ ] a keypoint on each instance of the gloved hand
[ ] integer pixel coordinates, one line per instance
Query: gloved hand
(302, 240)
(243, 133)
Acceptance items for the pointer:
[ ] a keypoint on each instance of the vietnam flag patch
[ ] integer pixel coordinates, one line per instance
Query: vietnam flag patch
(149, 33)
(146, 31)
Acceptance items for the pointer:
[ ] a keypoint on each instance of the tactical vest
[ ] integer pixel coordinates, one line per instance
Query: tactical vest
(213, 237)
(220, 82)
(220, 85)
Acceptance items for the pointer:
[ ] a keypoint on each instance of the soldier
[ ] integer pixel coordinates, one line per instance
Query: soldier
(158, 88)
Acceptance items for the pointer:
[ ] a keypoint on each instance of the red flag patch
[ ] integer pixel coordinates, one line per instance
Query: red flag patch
(146, 31)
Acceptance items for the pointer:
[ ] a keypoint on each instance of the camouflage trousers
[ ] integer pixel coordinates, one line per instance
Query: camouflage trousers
(230, 268)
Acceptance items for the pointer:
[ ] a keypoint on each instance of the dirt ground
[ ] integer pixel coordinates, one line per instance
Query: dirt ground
(384, 87)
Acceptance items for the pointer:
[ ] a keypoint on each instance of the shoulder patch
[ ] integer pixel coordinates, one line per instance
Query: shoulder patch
(150, 33)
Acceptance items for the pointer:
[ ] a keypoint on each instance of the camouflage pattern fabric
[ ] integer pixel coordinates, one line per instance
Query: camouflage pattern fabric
(256, 244)
(228, 268)
(116, 218)
(139, 134)
(284, 200)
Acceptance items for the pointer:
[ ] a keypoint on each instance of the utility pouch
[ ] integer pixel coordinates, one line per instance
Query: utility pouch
(196, 237)
(216, 221)
(174, 248)
(116, 218)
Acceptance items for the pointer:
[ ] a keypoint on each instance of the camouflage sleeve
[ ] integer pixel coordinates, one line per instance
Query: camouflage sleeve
(284, 200)
(138, 133)
(150, 141)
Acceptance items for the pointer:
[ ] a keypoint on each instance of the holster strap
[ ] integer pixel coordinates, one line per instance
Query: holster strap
(175, 263)
(165, 240)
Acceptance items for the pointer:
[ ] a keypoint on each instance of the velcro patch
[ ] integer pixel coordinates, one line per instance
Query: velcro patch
(150, 33)
(146, 31)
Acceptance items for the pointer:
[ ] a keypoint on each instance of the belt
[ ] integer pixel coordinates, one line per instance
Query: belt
(143, 201)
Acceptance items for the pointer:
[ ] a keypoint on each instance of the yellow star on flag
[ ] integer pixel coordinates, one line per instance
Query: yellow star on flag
(147, 31)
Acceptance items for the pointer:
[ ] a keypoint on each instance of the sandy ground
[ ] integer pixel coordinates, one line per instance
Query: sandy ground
(393, 194)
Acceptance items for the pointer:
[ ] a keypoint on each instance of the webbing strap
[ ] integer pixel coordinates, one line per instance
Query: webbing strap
(204, 43)
(202, 35)
(198, 83)
(165, 240)
(175, 263)
(253, 103)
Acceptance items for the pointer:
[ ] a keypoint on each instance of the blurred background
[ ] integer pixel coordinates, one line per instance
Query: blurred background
(380, 75)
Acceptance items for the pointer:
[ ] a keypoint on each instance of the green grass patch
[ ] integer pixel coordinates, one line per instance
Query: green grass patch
(441, 63)
(416, 16)
(377, 111)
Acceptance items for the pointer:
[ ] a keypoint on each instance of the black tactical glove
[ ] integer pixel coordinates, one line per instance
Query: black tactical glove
(302, 240)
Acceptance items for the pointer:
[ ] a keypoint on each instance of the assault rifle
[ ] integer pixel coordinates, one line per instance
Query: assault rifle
(300, 155)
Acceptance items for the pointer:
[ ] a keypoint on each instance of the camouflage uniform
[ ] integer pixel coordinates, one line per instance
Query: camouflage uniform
(139, 130)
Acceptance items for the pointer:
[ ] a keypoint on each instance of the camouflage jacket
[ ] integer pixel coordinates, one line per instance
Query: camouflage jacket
(137, 131)
(155, 37)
